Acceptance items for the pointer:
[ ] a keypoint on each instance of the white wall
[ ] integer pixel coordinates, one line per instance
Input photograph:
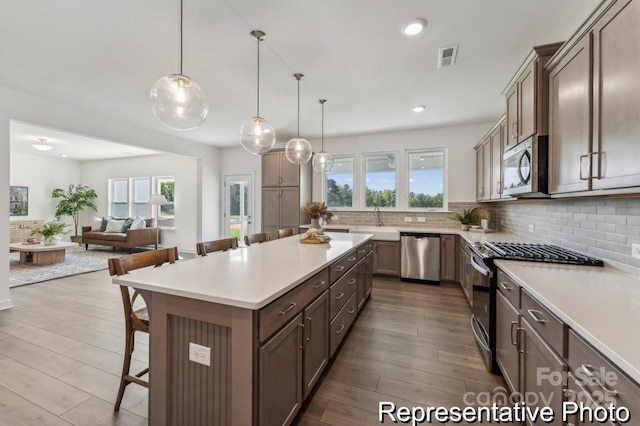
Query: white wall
(96, 174)
(43, 174)
(28, 108)
(458, 140)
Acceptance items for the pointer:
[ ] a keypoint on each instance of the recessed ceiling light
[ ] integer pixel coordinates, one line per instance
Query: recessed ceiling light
(64, 155)
(414, 27)
(418, 108)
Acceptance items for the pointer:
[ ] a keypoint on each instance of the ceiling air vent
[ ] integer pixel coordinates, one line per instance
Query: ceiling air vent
(447, 56)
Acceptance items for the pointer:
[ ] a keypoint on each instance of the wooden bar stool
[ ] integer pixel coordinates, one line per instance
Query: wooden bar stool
(286, 232)
(260, 237)
(136, 320)
(216, 245)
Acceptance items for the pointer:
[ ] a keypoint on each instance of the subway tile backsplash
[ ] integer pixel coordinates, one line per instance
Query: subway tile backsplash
(432, 219)
(601, 227)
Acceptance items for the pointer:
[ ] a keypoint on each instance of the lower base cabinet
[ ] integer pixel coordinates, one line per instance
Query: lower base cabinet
(280, 377)
(507, 354)
(316, 341)
(386, 258)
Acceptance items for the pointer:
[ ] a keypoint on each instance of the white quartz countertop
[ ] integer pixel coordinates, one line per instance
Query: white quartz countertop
(601, 304)
(250, 277)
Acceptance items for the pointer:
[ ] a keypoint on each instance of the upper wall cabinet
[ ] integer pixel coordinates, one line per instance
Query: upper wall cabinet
(594, 114)
(278, 171)
(489, 171)
(527, 97)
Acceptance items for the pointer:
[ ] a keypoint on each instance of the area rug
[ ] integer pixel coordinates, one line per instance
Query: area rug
(77, 261)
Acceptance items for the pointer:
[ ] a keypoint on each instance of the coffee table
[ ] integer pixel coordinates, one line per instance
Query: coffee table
(39, 254)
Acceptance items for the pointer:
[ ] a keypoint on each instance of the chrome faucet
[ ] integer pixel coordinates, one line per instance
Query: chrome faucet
(376, 211)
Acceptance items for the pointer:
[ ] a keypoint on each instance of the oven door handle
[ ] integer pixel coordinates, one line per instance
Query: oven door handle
(480, 267)
(479, 339)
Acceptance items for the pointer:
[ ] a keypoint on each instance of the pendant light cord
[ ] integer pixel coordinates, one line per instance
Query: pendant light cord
(258, 81)
(181, 13)
(322, 127)
(298, 108)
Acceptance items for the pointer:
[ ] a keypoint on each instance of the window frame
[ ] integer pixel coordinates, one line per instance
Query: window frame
(354, 189)
(363, 183)
(445, 197)
(111, 181)
(156, 190)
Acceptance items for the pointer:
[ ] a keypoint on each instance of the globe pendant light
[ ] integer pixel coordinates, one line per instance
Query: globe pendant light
(298, 150)
(256, 134)
(178, 101)
(322, 161)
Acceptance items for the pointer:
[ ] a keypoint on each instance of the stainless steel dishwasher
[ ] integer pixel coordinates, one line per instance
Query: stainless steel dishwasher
(420, 256)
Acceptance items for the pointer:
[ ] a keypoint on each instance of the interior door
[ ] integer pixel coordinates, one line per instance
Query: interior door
(239, 206)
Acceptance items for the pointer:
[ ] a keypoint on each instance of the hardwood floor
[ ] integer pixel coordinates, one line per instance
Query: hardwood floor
(61, 354)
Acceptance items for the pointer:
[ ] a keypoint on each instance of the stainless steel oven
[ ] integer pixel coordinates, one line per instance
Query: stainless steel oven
(525, 168)
(482, 308)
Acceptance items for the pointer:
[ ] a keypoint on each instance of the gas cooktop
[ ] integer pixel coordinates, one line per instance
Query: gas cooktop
(539, 253)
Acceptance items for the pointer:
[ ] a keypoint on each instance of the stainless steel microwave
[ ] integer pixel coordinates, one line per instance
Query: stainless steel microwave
(525, 168)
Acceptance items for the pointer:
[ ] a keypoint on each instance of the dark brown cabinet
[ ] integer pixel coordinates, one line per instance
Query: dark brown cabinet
(489, 171)
(464, 272)
(386, 258)
(594, 115)
(480, 171)
(448, 257)
(527, 97)
(316, 341)
(280, 378)
(497, 149)
(365, 269)
(507, 355)
(286, 189)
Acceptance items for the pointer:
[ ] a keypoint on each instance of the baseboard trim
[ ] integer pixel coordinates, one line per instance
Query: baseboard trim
(5, 304)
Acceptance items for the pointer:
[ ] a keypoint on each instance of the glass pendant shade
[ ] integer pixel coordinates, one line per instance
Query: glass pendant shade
(179, 102)
(298, 151)
(257, 136)
(323, 162)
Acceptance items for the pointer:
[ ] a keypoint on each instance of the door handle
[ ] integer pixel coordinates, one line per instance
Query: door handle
(513, 341)
(588, 164)
(310, 328)
(536, 316)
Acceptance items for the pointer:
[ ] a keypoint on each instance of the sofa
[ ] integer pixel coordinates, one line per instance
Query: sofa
(130, 239)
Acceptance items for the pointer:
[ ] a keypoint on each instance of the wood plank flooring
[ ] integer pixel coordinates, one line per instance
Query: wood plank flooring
(61, 354)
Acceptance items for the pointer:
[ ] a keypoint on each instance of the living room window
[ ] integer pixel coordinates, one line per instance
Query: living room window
(119, 197)
(140, 191)
(166, 215)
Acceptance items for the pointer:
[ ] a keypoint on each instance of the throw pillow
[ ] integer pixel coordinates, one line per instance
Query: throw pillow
(96, 224)
(126, 225)
(138, 223)
(103, 224)
(114, 226)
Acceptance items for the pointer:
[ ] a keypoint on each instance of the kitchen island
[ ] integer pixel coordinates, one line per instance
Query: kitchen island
(270, 316)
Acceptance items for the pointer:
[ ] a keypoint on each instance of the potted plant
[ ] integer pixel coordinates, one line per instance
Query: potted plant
(51, 232)
(72, 202)
(466, 217)
(317, 210)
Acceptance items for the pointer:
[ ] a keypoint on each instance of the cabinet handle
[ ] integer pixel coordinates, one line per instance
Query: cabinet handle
(338, 268)
(580, 165)
(361, 251)
(519, 344)
(352, 281)
(320, 284)
(291, 306)
(339, 330)
(310, 328)
(352, 259)
(339, 296)
(588, 371)
(352, 310)
(514, 130)
(505, 286)
(513, 341)
(535, 315)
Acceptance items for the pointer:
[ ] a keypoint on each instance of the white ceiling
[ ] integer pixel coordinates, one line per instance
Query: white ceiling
(106, 55)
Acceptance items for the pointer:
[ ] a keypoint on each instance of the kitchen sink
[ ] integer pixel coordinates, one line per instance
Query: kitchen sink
(379, 233)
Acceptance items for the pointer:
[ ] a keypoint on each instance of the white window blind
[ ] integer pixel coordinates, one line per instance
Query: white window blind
(119, 206)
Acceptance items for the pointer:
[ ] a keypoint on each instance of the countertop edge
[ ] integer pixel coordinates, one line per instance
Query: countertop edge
(629, 369)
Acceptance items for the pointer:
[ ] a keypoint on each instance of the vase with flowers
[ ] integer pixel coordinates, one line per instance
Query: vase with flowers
(317, 210)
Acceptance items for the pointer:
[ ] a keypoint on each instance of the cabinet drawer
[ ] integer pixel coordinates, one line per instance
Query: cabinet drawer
(341, 291)
(509, 289)
(602, 378)
(342, 322)
(280, 311)
(339, 268)
(318, 283)
(552, 330)
(575, 392)
(364, 249)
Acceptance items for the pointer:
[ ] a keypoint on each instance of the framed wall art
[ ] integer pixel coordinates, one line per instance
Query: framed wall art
(18, 200)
